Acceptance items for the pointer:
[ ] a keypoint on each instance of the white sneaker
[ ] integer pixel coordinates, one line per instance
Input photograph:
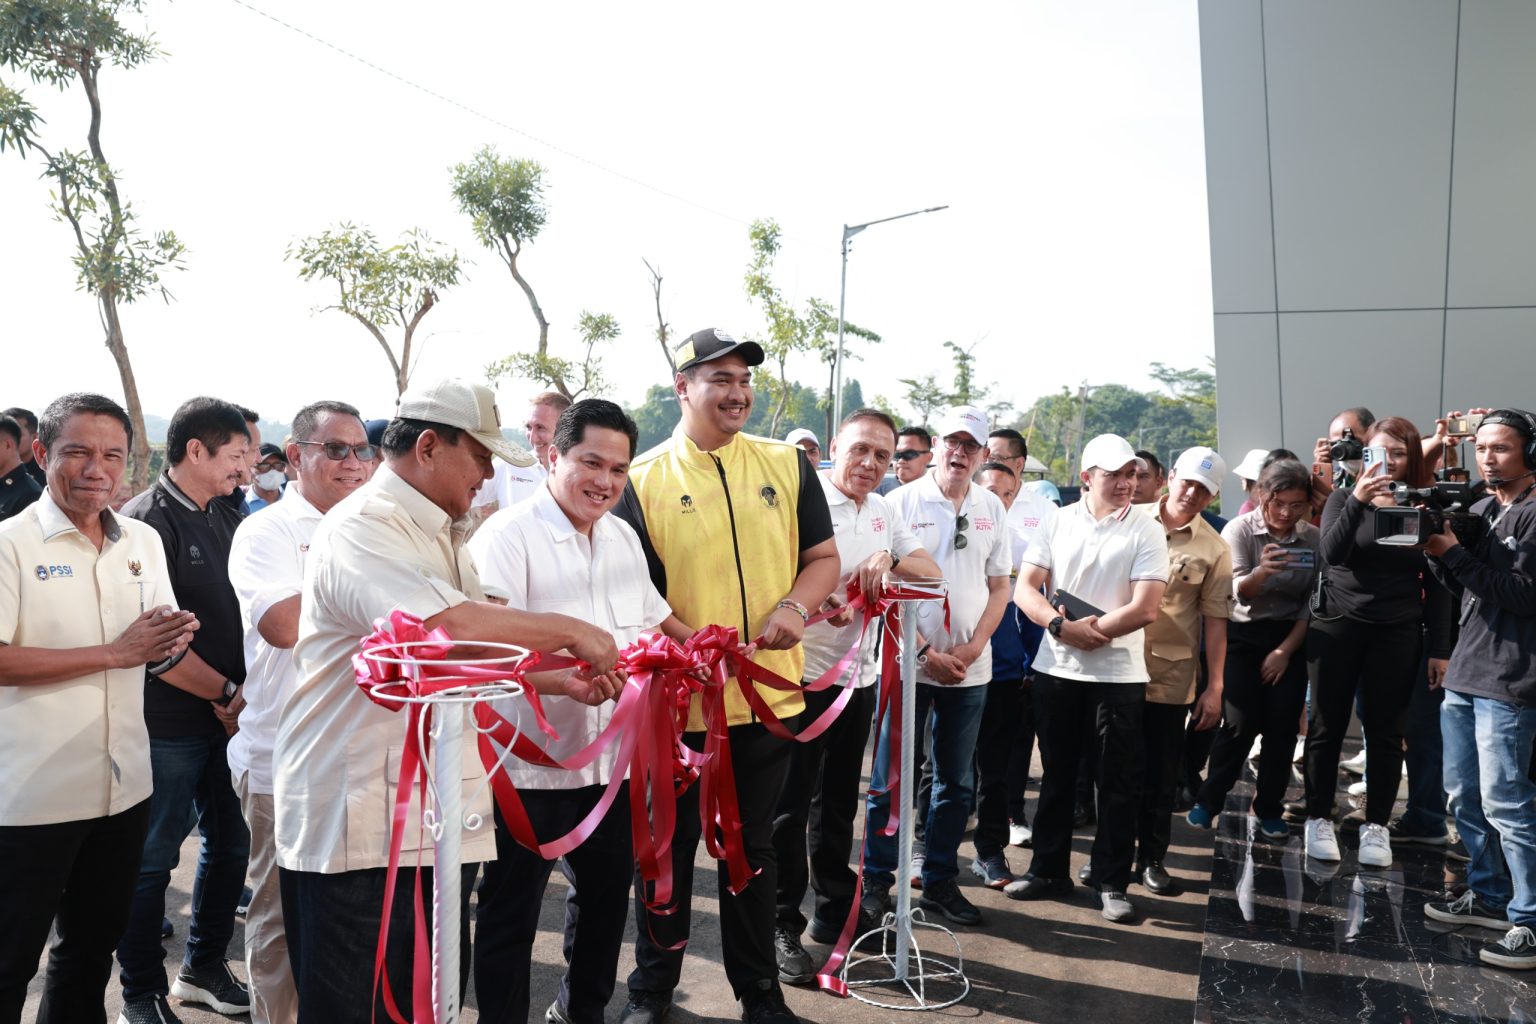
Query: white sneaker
(1253, 751)
(1375, 846)
(1357, 788)
(1301, 750)
(1356, 764)
(1019, 835)
(1322, 844)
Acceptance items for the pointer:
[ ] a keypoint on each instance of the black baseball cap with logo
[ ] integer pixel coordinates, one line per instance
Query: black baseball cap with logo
(712, 343)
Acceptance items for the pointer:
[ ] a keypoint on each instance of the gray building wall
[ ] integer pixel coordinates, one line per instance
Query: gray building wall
(1371, 168)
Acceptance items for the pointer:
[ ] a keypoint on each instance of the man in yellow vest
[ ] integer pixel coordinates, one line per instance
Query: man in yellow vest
(737, 533)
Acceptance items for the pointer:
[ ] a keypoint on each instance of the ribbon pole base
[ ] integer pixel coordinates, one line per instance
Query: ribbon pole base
(919, 981)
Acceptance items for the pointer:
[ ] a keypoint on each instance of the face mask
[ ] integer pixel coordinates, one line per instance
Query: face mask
(271, 480)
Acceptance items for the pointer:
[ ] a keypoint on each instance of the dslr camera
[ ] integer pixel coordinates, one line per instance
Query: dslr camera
(1422, 512)
(1348, 448)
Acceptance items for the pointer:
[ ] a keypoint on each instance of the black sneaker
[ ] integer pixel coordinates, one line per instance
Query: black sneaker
(214, 985)
(876, 901)
(1516, 950)
(795, 967)
(1033, 887)
(766, 1006)
(244, 906)
(946, 898)
(1402, 834)
(154, 1010)
(1466, 909)
(646, 1008)
(827, 934)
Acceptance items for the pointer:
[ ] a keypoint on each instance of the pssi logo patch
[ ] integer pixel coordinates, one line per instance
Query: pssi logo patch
(54, 572)
(769, 495)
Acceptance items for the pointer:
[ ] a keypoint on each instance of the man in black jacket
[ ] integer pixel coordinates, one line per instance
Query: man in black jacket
(1488, 719)
(187, 704)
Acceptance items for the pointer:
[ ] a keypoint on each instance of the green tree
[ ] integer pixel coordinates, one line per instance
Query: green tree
(966, 391)
(657, 415)
(924, 395)
(61, 43)
(380, 286)
(504, 200)
(572, 378)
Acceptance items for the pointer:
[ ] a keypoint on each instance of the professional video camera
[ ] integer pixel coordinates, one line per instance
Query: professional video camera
(1347, 448)
(1422, 512)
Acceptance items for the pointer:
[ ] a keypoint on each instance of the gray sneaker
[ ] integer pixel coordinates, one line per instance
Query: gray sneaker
(1117, 906)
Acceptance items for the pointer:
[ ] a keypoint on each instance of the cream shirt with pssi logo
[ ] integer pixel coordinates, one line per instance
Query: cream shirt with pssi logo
(77, 749)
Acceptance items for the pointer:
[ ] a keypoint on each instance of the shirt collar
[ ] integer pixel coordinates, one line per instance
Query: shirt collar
(423, 511)
(1155, 509)
(169, 486)
(548, 509)
(295, 505)
(55, 523)
(835, 495)
(688, 449)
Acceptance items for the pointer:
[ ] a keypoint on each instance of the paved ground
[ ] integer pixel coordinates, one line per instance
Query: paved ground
(1051, 963)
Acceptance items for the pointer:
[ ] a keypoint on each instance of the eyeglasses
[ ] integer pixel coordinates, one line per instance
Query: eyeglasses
(336, 451)
(959, 444)
(1295, 508)
(264, 467)
(961, 525)
(908, 454)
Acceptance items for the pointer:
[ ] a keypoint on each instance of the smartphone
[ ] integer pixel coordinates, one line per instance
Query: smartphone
(1466, 425)
(1300, 558)
(1076, 607)
(1373, 455)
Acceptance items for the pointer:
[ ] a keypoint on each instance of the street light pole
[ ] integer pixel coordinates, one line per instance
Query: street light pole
(849, 230)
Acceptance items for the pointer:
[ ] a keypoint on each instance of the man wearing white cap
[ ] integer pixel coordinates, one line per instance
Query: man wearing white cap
(1106, 571)
(394, 544)
(1248, 472)
(1199, 595)
(807, 441)
(965, 527)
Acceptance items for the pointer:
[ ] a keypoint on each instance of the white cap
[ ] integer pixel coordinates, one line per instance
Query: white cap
(470, 407)
(1203, 466)
(1252, 464)
(963, 419)
(801, 434)
(1110, 452)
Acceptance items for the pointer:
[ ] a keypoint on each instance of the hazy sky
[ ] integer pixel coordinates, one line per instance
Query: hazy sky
(1065, 136)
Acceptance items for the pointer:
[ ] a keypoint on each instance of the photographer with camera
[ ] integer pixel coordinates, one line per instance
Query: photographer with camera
(1488, 720)
(1367, 635)
(1336, 458)
(1274, 557)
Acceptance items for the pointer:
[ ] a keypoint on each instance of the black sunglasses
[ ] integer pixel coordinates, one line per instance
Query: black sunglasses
(908, 454)
(336, 451)
(961, 525)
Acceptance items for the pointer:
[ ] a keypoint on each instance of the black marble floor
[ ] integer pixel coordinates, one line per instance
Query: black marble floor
(1293, 940)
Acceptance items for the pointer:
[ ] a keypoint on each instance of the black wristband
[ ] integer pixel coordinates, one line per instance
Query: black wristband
(169, 663)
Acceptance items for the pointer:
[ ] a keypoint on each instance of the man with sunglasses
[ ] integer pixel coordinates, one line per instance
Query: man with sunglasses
(914, 451)
(965, 527)
(1091, 668)
(331, 452)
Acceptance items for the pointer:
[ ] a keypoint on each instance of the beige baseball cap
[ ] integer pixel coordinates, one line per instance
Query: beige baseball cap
(470, 407)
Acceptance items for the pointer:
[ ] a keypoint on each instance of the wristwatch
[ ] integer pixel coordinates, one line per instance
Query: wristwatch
(1054, 626)
(895, 558)
(230, 689)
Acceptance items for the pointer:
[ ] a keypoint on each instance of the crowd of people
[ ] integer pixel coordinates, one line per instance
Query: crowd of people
(184, 659)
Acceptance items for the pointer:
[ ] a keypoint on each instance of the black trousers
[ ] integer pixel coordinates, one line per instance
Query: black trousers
(1064, 710)
(1250, 708)
(1381, 662)
(1162, 737)
(813, 826)
(1021, 754)
(1197, 742)
(332, 923)
(760, 761)
(596, 907)
(80, 874)
(1000, 727)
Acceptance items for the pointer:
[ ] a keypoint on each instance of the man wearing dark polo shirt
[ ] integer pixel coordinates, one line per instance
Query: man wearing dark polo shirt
(17, 488)
(28, 423)
(207, 450)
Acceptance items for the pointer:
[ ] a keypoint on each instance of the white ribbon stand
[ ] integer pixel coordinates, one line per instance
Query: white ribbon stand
(445, 788)
(900, 962)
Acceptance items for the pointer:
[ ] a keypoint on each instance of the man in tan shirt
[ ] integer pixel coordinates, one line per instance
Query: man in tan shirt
(1199, 595)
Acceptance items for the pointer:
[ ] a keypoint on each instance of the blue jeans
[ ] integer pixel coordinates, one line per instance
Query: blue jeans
(1489, 790)
(191, 777)
(956, 722)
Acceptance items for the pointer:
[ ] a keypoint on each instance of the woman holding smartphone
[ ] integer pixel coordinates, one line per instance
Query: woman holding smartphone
(1274, 556)
(1369, 637)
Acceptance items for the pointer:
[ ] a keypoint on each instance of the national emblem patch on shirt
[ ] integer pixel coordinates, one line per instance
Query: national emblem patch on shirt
(135, 567)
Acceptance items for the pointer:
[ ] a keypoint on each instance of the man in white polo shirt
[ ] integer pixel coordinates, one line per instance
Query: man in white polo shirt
(394, 544)
(1091, 668)
(331, 452)
(966, 528)
(85, 605)
(814, 821)
(560, 550)
(513, 484)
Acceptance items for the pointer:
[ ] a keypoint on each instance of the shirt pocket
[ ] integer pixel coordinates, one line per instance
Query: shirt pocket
(627, 609)
(416, 836)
